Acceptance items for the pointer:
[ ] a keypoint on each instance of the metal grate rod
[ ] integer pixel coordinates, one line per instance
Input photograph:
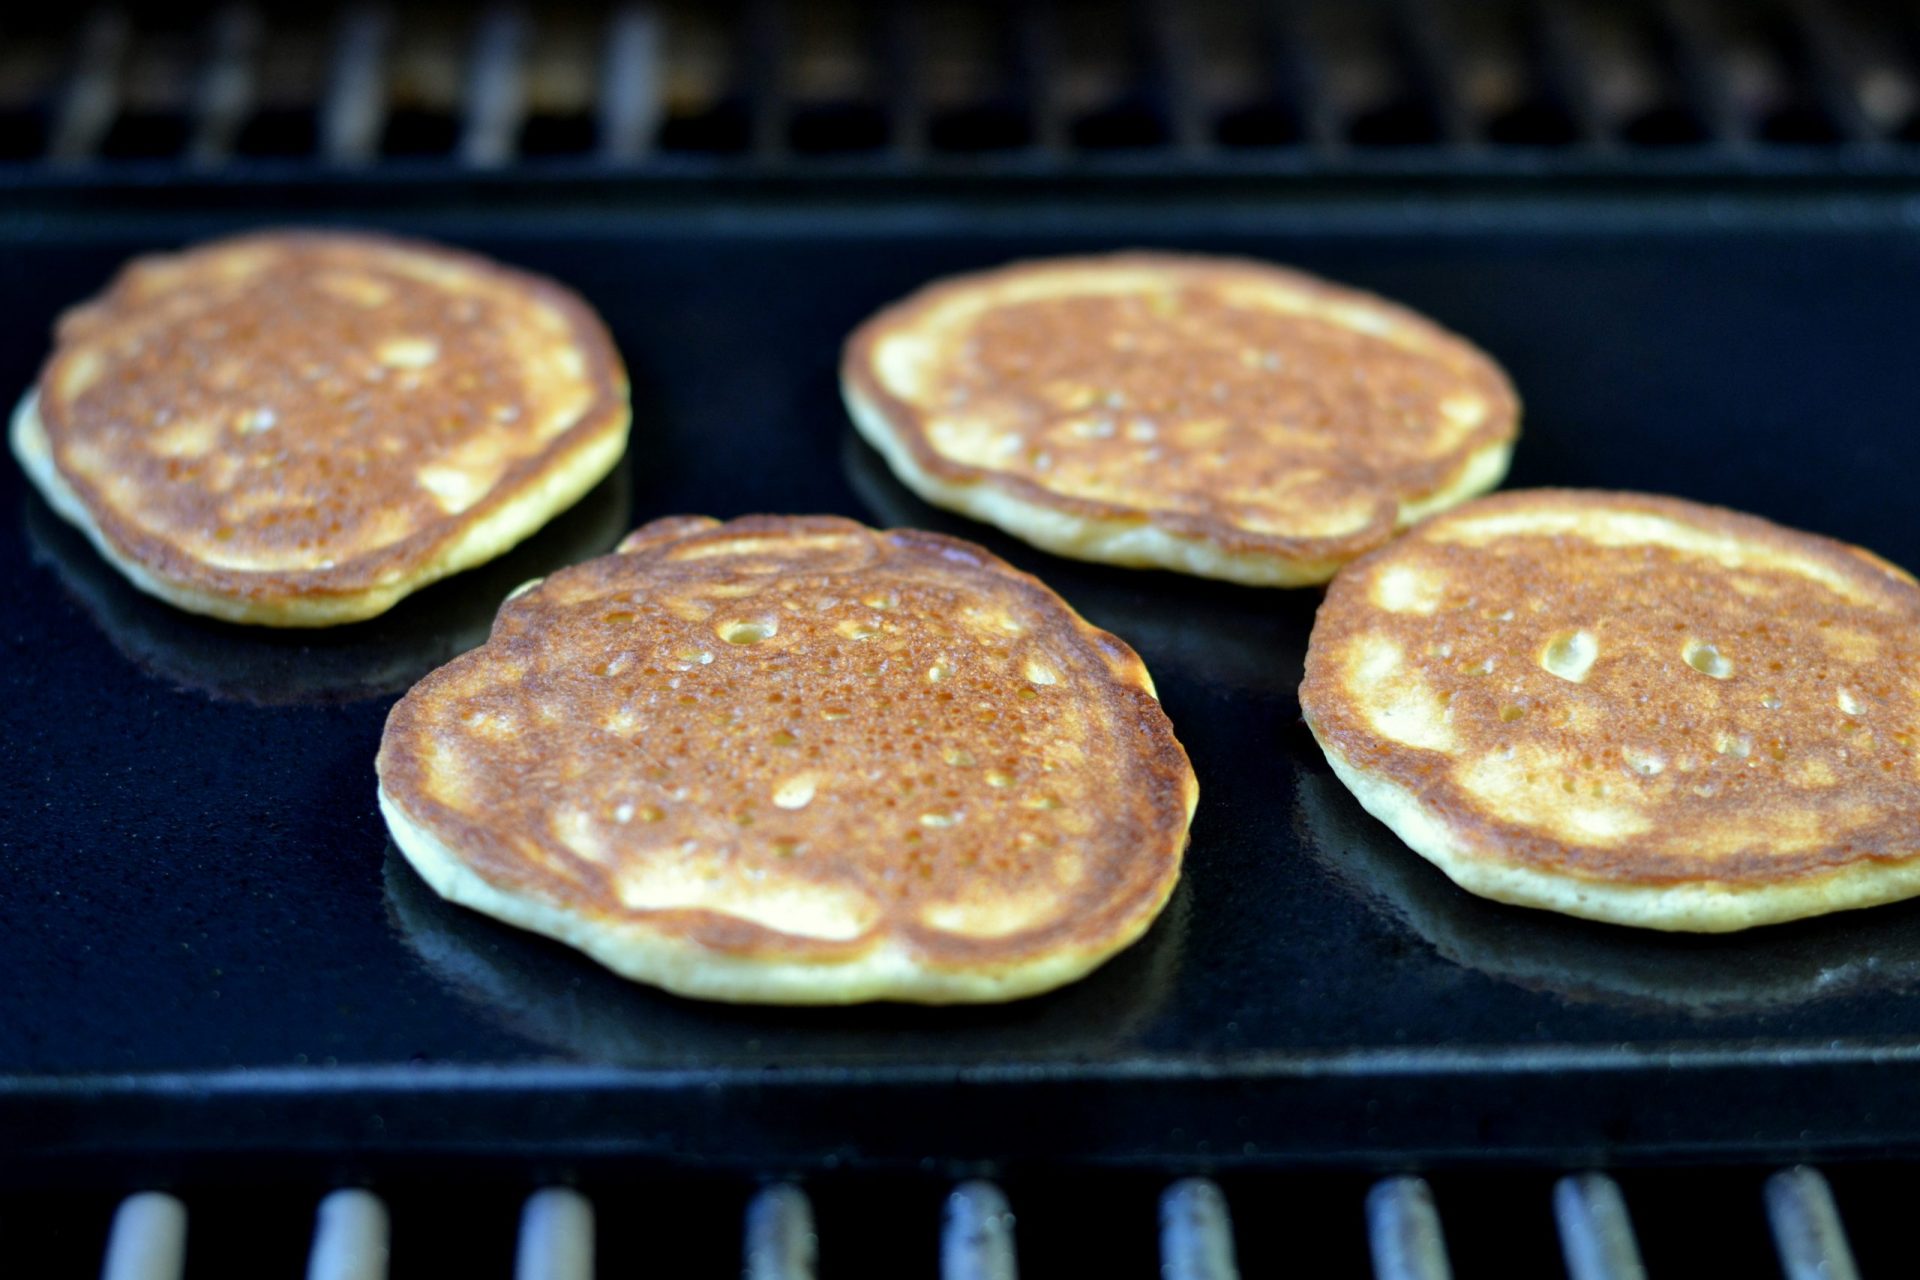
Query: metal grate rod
(496, 89)
(1429, 65)
(1196, 1235)
(1828, 57)
(1171, 60)
(92, 97)
(902, 55)
(1806, 1227)
(1035, 39)
(632, 98)
(1596, 1236)
(148, 1240)
(1565, 73)
(350, 1238)
(1403, 1232)
(355, 108)
(1703, 76)
(976, 1241)
(781, 1241)
(556, 1237)
(226, 88)
(1299, 78)
(762, 75)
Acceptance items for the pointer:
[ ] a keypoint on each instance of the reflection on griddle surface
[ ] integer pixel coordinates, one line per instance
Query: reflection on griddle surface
(272, 667)
(1702, 974)
(1171, 620)
(554, 996)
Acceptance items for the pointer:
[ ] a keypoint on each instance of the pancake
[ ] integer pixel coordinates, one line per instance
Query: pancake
(795, 760)
(1212, 416)
(298, 429)
(1631, 709)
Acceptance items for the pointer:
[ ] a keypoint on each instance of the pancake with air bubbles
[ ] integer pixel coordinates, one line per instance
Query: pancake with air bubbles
(796, 760)
(1213, 416)
(299, 429)
(1630, 708)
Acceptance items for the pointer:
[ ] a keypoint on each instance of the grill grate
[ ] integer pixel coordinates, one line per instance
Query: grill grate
(652, 86)
(149, 1238)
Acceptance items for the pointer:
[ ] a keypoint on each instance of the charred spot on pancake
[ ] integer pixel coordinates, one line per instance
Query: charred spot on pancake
(972, 794)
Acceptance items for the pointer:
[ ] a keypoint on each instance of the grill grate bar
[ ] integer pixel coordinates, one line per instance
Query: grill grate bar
(1036, 44)
(1806, 1227)
(355, 108)
(496, 102)
(632, 98)
(351, 1234)
(1828, 63)
(781, 1242)
(1568, 78)
(903, 56)
(1703, 77)
(1596, 1236)
(1169, 58)
(148, 1239)
(556, 1237)
(763, 74)
(976, 1238)
(92, 96)
(1299, 79)
(1196, 1233)
(556, 1241)
(1423, 50)
(1403, 1232)
(226, 88)
(1461, 77)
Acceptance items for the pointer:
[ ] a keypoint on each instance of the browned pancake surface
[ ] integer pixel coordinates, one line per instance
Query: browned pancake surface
(1255, 407)
(800, 738)
(296, 413)
(1630, 688)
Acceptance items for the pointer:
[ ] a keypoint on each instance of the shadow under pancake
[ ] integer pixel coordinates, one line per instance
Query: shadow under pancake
(1702, 974)
(277, 667)
(1247, 638)
(555, 996)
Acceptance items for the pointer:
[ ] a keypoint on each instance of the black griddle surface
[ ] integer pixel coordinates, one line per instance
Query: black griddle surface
(208, 944)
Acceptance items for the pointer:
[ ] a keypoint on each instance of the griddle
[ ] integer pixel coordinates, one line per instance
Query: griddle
(212, 951)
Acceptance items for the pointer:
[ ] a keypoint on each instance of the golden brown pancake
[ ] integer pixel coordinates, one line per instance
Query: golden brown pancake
(1630, 708)
(1213, 416)
(796, 760)
(299, 429)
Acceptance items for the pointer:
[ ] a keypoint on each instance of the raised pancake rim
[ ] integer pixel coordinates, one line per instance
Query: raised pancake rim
(1439, 820)
(528, 493)
(710, 954)
(1191, 542)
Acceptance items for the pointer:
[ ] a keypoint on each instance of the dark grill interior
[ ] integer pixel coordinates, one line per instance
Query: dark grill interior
(649, 86)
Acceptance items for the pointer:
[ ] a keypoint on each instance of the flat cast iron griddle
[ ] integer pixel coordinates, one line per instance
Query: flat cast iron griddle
(210, 948)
